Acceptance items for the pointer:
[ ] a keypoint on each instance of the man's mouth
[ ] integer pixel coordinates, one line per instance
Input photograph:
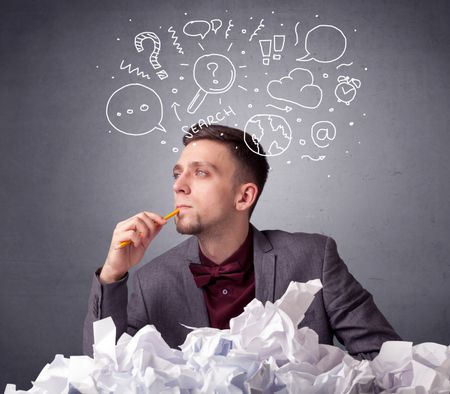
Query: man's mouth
(182, 207)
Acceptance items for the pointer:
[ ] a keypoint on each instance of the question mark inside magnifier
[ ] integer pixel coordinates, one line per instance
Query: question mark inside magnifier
(213, 66)
(213, 74)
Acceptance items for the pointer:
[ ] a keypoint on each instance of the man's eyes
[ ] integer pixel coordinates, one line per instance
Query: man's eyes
(197, 172)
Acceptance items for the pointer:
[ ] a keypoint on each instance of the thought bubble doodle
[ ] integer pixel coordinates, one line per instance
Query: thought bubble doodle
(324, 44)
(270, 131)
(197, 28)
(322, 133)
(135, 109)
(297, 88)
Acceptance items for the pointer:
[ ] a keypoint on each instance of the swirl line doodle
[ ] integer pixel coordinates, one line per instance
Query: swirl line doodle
(230, 25)
(176, 44)
(136, 70)
(255, 33)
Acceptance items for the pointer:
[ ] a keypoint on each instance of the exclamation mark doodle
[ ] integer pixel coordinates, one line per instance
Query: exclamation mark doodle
(266, 50)
(278, 45)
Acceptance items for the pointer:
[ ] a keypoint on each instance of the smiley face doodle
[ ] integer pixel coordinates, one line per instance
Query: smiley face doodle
(135, 109)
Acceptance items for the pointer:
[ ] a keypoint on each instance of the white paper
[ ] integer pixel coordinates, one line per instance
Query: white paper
(262, 352)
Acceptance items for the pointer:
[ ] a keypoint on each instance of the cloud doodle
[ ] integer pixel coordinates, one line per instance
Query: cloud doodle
(297, 88)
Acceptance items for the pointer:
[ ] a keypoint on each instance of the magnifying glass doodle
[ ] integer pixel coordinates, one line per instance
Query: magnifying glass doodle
(213, 74)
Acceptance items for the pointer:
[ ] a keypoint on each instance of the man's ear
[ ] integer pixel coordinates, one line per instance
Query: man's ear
(246, 196)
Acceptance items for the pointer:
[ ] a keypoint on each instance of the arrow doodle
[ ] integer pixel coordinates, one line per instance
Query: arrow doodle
(285, 109)
(174, 106)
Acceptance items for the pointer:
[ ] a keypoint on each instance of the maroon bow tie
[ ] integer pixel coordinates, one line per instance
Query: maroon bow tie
(204, 274)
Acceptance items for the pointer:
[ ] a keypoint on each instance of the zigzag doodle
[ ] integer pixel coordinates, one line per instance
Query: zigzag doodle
(136, 70)
(175, 42)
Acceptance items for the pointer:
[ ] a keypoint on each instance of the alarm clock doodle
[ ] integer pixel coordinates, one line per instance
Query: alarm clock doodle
(345, 91)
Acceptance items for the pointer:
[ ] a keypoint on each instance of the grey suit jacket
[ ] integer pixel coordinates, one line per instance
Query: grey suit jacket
(165, 294)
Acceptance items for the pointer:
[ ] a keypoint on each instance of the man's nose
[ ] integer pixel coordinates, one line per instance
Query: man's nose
(181, 184)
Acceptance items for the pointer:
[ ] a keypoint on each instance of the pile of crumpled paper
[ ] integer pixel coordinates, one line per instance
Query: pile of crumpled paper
(262, 352)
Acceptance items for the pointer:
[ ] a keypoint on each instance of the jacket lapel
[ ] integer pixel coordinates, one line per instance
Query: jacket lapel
(264, 261)
(194, 295)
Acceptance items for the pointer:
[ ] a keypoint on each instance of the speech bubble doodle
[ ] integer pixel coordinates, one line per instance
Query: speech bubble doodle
(317, 37)
(197, 28)
(135, 109)
(322, 132)
(299, 85)
(216, 24)
(269, 130)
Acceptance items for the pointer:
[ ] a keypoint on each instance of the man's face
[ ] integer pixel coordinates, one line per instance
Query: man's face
(204, 187)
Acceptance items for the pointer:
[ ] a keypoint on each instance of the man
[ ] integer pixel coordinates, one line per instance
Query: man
(209, 278)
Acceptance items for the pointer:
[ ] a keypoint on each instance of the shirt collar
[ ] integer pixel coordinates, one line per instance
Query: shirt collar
(241, 255)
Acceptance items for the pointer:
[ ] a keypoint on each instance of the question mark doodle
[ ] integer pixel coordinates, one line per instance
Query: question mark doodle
(213, 66)
(153, 58)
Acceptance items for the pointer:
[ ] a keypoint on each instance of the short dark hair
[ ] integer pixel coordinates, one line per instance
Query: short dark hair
(251, 167)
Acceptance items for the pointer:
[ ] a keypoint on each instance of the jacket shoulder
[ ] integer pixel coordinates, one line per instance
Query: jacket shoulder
(281, 239)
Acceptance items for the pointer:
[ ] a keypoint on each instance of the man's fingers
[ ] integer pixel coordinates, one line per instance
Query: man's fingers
(155, 217)
(140, 228)
(129, 235)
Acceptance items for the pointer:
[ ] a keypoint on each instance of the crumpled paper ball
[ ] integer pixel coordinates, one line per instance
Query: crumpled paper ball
(262, 352)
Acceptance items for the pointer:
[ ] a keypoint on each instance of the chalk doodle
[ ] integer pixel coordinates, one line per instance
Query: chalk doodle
(278, 45)
(272, 131)
(213, 74)
(176, 44)
(250, 62)
(319, 158)
(297, 88)
(345, 91)
(322, 133)
(174, 106)
(133, 110)
(216, 24)
(255, 33)
(135, 70)
(285, 109)
(197, 28)
(153, 58)
(266, 50)
(266, 47)
(344, 64)
(201, 28)
(208, 120)
(230, 26)
(314, 44)
(296, 33)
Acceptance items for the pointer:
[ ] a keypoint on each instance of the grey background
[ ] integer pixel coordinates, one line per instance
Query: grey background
(66, 180)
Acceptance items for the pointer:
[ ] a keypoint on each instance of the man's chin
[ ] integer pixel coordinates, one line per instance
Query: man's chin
(188, 229)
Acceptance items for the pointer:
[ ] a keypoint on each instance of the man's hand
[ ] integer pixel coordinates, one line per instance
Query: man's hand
(140, 229)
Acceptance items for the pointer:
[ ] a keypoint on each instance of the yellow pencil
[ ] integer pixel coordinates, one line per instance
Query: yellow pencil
(167, 217)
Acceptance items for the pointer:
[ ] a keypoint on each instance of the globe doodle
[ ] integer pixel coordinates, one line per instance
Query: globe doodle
(271, 132)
